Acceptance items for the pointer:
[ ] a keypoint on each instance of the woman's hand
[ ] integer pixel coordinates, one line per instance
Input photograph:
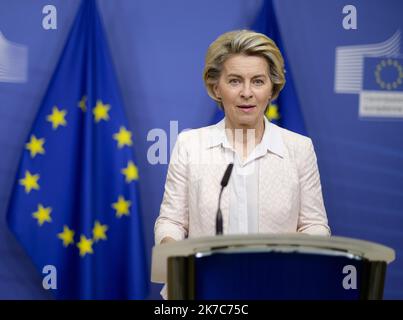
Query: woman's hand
(167, 240)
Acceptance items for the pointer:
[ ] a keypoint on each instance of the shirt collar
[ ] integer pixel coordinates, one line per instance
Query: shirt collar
(271, 139)
(217, 135)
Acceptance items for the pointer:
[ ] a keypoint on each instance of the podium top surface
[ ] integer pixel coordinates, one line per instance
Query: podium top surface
(261, 242)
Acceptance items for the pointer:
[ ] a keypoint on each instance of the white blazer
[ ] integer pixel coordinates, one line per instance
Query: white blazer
(290, 193)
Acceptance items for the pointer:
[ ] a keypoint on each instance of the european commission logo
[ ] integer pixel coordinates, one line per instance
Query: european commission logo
(13, 61)
(375, 73)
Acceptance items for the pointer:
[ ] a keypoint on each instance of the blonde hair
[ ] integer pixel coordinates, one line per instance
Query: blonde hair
(248, 43)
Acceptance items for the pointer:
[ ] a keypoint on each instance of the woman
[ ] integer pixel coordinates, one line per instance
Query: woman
(275, 184)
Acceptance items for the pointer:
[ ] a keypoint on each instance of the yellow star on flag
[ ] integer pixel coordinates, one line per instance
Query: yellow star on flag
(43, 214)
(30, 181)
(272, 112)
(67, 236)
(123, 137)
(35, 146)
(83, 103)
(57, 118)
(85, 246)
(130, 172)
(101, 111)
(122, 207)
(99, 231)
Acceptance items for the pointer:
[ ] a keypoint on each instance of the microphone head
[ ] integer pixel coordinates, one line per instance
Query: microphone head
(227, 175)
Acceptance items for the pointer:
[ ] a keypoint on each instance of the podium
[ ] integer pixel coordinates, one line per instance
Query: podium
(270, 267)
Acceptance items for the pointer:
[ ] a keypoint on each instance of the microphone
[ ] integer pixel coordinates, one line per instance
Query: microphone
(224, 182)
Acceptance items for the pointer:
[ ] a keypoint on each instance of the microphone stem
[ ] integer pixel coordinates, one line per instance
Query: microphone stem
(219, 223)
(219, 198)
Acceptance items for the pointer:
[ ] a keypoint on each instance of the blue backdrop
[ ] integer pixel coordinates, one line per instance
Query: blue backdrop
(158, 50)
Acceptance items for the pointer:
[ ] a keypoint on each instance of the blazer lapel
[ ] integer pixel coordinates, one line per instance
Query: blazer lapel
(270, 166)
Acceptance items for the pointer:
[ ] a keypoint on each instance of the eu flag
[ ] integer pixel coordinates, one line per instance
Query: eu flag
(75, 202)
(383, 74)
(285, 111)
